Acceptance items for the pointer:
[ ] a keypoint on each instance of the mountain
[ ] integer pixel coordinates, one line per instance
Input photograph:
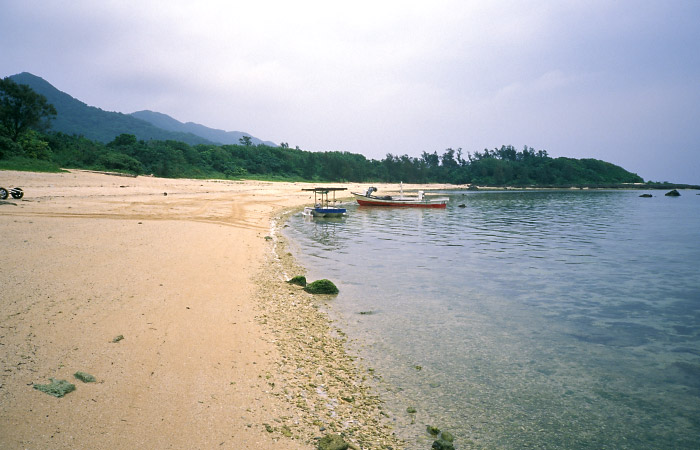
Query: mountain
(77, 118)
(219, 136)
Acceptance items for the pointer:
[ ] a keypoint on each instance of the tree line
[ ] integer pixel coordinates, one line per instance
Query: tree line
(25, 133)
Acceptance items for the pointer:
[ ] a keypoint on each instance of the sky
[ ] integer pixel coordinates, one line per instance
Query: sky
(611, 80)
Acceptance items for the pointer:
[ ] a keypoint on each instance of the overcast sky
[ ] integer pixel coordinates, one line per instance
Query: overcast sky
(612, 80)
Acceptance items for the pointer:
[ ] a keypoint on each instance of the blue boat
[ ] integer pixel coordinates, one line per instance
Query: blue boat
(323, 206)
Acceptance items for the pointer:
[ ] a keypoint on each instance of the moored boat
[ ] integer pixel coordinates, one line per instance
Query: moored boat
(419, 201)
(323, 207)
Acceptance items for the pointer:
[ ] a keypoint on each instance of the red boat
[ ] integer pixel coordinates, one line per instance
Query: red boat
(419, 201)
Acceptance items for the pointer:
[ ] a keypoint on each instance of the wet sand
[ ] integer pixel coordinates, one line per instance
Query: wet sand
(217, 350)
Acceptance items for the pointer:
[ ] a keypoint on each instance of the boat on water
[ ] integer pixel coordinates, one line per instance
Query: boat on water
(419, 201)
(323, 206)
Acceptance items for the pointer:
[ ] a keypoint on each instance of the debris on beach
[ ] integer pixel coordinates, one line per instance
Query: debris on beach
(299, 280)
(84, 377)
(57, 388)
(333, 442)
(117, 339)
(321, 287)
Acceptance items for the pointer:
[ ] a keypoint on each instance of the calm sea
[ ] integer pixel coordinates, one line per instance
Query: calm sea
(524, 320)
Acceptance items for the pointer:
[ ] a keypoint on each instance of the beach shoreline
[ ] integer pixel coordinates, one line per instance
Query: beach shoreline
(170, 292)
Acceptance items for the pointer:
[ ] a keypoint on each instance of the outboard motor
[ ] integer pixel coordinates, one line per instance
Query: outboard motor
(370, 190)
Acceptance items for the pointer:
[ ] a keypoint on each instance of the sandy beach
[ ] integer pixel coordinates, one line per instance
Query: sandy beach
(172, 294)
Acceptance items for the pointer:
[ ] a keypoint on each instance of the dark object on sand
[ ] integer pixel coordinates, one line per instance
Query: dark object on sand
(57, 388)
(16, 193)
(321, 287)
(673, 193)
(332, 442)
(299, 280)
(84, 377)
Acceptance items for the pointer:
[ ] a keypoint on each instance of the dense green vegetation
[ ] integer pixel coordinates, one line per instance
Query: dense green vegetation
(33, 149)
(498, 167)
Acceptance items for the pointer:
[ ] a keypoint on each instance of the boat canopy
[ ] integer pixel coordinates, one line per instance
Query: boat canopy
(325, 190)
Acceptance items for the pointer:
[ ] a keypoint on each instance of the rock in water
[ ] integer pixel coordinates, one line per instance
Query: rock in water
(442, 444)
(299, 280)
(646, 195)
(673, 193)
(321, 287)
(447, 436)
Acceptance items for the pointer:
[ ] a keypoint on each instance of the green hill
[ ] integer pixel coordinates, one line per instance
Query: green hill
(76, 118)
(166, 122)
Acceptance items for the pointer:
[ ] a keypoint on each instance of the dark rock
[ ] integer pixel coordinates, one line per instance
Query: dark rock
(299, 280)
(447, 436)
(442, 444)
(673, 193)
(321, 287)
(462, 205)
(332, 442)
(646, 195)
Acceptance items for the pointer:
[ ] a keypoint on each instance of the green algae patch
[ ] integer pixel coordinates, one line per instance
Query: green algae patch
(84, 377)
(57, 388)
(299, 280)
(321, 287)
(332, 442)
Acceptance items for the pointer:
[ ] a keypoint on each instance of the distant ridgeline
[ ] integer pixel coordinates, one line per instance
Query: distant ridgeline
(75, 117)
(146, 142)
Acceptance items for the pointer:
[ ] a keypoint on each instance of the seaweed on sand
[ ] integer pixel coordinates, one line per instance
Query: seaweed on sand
(57, 388)
(84, 377)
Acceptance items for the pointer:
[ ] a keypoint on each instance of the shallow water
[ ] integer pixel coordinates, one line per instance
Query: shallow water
(557, 319)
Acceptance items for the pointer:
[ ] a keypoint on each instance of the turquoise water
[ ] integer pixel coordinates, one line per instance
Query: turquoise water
(553, 320)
